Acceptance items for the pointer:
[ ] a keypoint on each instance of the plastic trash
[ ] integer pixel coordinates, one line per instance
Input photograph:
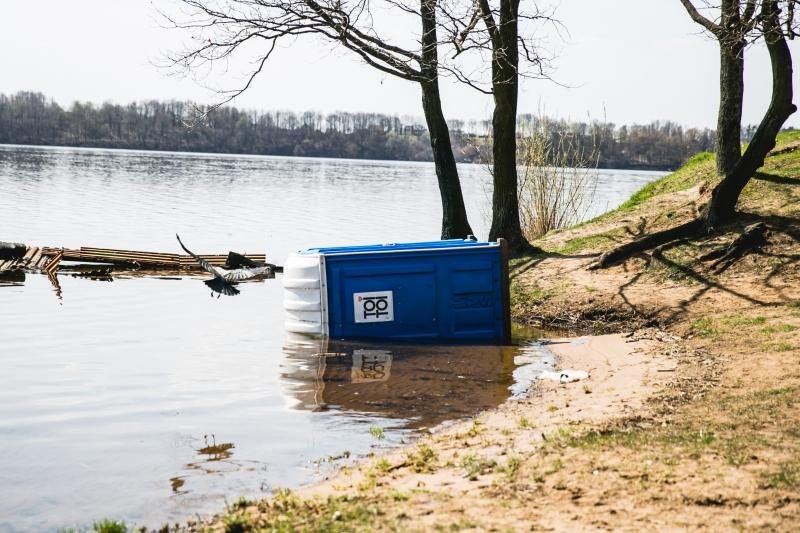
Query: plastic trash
(564, 376)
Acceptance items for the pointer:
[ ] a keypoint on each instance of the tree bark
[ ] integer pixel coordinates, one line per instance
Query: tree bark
(725, 195)
(454, 213)
(731, 95)
(505, 86)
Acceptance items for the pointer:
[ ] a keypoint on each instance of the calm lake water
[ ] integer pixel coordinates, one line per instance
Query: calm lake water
(143, 399)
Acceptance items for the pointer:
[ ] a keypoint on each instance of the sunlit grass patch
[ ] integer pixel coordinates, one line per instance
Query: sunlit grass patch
(788, 136)
(743, 426)
(778, 328)
(399, 496)
(475, 466)
(286, 512)
(736, 321)
(524, 297)
(756, 331)
(786, 476)
(703, 327)
(782, 347)
(423, 459)
(697, 169)
(237, 523)
(456, 526)
(109, 526)
(600, 241)
(511, 468)
(476, 428)
(382, 465)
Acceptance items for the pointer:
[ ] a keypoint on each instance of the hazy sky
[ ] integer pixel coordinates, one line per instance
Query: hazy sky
(625, 60)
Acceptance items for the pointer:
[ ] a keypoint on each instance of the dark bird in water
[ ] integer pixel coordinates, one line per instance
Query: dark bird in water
(224, 280)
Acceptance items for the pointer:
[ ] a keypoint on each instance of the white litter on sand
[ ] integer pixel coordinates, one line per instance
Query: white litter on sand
(564, 376)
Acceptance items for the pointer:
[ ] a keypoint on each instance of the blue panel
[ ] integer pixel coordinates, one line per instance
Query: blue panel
(477, 279)
(441, 289)
(395, 247)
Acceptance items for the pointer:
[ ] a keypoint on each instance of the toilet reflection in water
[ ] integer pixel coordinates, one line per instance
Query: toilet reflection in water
(419, 385)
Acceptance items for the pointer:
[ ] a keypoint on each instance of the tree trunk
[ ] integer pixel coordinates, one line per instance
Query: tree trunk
(725, 195)
(731, 93)
(505, 86)
(454, 214)
(722, 206)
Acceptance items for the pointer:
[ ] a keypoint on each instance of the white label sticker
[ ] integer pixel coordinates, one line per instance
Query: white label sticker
(373, 306)
(371, 365)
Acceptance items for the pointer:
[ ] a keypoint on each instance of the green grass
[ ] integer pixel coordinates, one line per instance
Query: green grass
(700, 167)
(778, 328)
(475, 466)
(399, 496)
(377, 432)
(285, 512)
(237, 523)
(423, 459)
(739, 323)
(590, 242)
(109, 526)
(782, 347)
(672, 444)
(703, 327)
(697, 169)
(746, 321)
(786, 137)
(787, 476)
(475, 429)
(523, 298)
(511, 468)
(383, 465)
(737, 437)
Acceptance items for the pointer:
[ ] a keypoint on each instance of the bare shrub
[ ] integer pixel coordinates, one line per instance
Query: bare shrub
(558, 179)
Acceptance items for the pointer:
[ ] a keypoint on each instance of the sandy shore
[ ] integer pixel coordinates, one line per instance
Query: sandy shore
(623, 372)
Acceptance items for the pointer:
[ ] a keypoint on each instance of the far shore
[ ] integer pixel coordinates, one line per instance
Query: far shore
(167, 151)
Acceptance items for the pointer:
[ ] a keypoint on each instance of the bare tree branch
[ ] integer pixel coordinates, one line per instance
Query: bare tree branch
(700, 19)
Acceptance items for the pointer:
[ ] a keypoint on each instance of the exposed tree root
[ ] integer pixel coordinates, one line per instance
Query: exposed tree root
(753, 238)
(692, 228)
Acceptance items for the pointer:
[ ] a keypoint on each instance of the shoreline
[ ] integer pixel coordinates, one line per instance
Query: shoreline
(458, 457)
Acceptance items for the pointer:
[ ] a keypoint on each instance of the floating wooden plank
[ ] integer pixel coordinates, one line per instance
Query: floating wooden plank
(48, 259)
(36, 257)
(131, 254)
(27, 257)
(52, 265)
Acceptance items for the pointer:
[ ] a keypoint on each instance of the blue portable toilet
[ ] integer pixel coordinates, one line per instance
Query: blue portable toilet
(453, 289)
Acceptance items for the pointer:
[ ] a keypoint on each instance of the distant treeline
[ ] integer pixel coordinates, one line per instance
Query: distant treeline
(30, 118)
